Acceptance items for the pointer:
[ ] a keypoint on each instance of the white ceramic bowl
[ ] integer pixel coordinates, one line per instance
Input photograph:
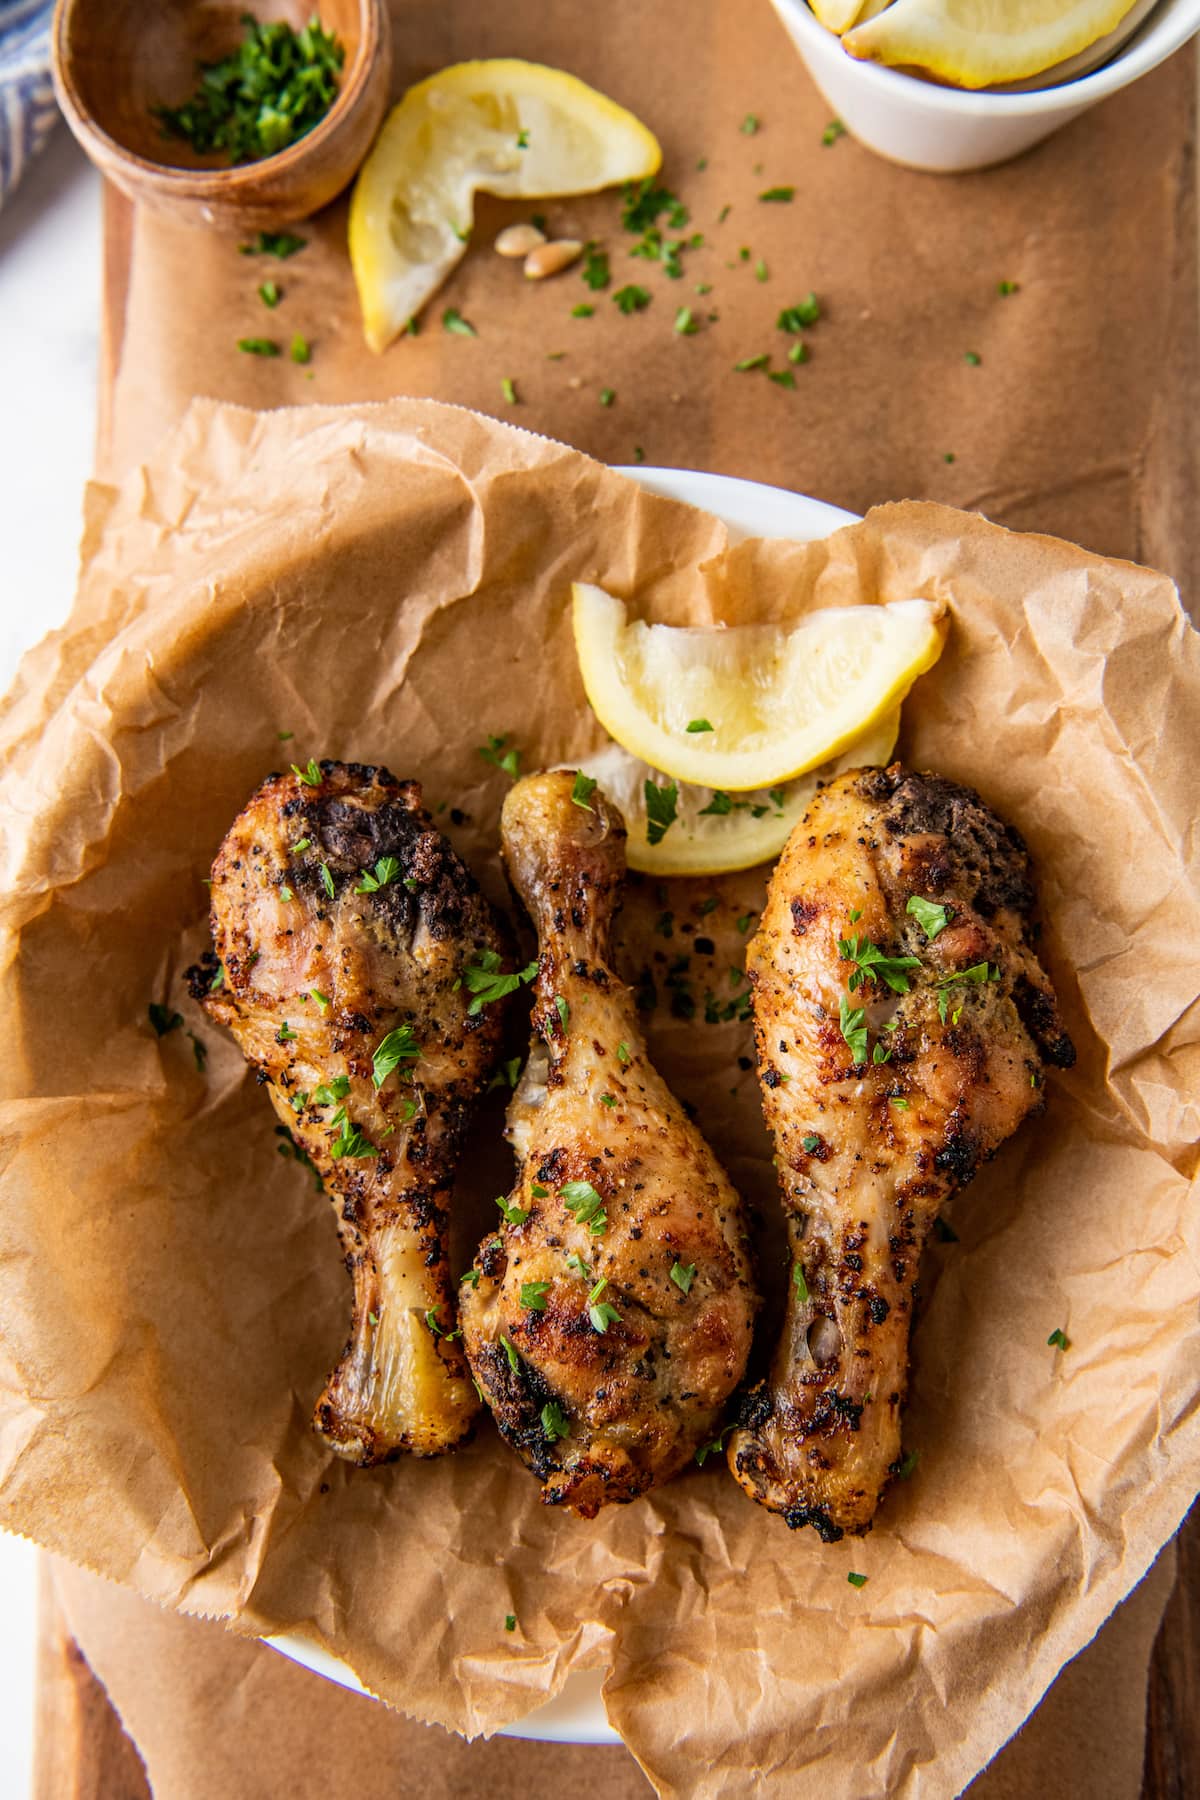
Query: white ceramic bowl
(946, 129)
(751, 509)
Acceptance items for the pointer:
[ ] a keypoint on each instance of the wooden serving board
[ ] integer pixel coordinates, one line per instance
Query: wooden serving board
(82, 1748)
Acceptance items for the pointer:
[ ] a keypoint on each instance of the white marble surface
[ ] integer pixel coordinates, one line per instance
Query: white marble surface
(49, 340)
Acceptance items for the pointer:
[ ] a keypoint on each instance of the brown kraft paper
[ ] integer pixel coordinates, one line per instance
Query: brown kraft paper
(1080, 417)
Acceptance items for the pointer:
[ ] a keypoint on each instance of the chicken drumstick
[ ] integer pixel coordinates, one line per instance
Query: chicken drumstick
(343, 925)
(610, 1320)
(902, 1021)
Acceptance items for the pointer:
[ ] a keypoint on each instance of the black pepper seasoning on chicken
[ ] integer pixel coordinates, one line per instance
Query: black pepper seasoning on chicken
(344, 927)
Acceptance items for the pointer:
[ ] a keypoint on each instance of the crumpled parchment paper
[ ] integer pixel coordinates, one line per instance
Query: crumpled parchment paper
(390, 583)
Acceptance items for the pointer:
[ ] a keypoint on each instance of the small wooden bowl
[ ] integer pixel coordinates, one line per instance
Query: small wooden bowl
(115, 60)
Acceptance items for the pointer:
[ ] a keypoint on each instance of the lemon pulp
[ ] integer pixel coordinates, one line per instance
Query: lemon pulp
(502, 126)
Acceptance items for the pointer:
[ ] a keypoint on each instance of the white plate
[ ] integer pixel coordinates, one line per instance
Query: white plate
(576, 1714)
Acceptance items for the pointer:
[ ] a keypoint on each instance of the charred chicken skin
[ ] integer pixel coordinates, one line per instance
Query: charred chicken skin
(903, 1023)
(610, 1318)
(343, 925)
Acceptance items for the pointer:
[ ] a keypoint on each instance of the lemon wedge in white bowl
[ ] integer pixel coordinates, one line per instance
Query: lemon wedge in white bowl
(979, 43)
(517, 129)
(749, 706)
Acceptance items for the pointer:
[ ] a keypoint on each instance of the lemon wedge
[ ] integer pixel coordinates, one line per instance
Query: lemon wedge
(837, 15)
(504, 127)
(714, 833)
(977, 43)
(749, 706)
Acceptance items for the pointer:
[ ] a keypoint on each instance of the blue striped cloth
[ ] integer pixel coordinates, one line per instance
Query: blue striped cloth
(27, 108)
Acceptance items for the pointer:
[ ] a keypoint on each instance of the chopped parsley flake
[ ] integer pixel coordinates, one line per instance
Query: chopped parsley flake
(582, 311)
(800, 317)
(582, 790)
(602, 1316)
(661, 809)
(872, 964)
(642, 204)
(607, 396)
(563, 1010)
(487, 984)
(300, 349)
(585, 1205)
(538, 1191)
(578, 1267)
(494, 752)
(781, 195)
(269, 294)
(752, 362)
(311, 776)
(623, 1056)
(384, 872)
(595, 271)
(749, 125)
(908, 1463)
(274, 243)
(798, 1282)
(351, 1142)
(632, 299)
(257, 346)
(327, 880)
(471, 1275)
(714, 1448)
(683, 1275)
(513, 1215)
(832, 132)
(782, 377)
(514, 1365)
(696, 725)
(508, 390)
(285, 1034)
(533, 1295)
(510, 1619)
(811, 1142)
(685, 322)
(399, 1046)
(554, 1422)
(453, 321)
(930, 916)
(1059, 1339)
(853, 1021)
(856, 1580)
(972, 358)
(162, 1020)
(506, 1075)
